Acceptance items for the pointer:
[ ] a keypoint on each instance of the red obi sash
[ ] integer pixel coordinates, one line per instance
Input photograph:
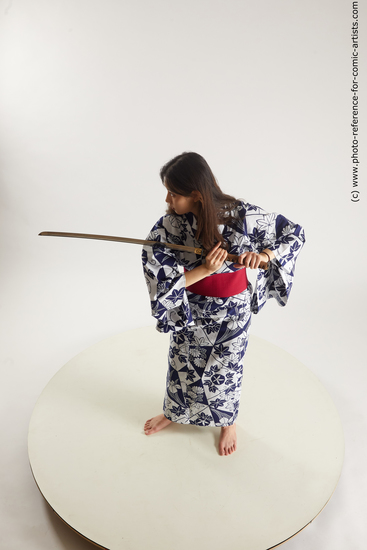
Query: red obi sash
(221, 285)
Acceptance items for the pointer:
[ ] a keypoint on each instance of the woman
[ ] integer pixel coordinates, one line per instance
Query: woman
(207, 309)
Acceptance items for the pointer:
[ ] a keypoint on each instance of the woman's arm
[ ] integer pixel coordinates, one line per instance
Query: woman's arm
(217, 256)
(282, 239)
(213, 261)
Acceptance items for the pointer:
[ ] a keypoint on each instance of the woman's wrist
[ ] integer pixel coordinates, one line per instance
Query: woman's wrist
(196, 274)
(267, 254)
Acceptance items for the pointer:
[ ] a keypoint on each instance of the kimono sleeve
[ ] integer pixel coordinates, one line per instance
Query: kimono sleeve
(165, 282)
(285, 239)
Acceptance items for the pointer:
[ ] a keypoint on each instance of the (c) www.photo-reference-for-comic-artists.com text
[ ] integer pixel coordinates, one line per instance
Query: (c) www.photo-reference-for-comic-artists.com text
(355, 192)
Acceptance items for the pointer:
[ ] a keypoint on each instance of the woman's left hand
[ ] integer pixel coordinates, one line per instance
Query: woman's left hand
(250, 260)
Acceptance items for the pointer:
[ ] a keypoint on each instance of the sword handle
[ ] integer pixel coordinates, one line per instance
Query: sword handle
(233, 258)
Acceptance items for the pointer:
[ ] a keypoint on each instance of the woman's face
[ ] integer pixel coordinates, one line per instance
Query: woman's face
(181, 204)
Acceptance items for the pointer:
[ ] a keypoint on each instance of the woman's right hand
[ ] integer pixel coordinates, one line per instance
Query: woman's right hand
(213, 261)
(215, 258)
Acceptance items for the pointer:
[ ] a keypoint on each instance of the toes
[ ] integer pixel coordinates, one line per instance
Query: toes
(226, 449)
(147, 427)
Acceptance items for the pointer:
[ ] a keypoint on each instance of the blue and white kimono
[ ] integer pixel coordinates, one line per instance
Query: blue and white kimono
(208, 336)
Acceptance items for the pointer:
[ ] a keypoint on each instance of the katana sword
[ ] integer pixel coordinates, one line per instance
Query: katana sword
(199, 251)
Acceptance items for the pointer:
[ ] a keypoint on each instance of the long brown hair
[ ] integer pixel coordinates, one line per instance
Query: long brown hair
(190, 172)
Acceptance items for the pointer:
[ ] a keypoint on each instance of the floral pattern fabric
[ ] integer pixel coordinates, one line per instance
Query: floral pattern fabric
(208, 336)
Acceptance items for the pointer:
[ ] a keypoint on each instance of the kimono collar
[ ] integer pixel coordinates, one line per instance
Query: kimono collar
(192, 221)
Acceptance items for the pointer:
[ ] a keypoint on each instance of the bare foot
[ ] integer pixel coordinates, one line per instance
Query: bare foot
(228, 440)
(156, 424)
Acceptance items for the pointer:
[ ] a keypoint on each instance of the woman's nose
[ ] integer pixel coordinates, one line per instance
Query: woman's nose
(168, 198)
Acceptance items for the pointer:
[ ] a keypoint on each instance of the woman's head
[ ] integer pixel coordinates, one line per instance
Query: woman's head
(186, 173)
(189, 175)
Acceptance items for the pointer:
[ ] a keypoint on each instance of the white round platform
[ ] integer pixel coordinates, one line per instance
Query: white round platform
(172, 491)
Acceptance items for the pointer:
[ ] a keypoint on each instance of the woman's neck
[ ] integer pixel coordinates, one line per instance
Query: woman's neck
(196, 210)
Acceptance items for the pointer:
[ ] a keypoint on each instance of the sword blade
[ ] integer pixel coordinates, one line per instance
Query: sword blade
(198, 251)
(120, 240)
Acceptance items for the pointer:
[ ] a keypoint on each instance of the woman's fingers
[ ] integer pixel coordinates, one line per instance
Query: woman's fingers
(249, 259)
(214, 250)
(214, 260)
(218, 255)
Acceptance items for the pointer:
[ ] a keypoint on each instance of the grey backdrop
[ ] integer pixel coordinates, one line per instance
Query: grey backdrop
(95, 97)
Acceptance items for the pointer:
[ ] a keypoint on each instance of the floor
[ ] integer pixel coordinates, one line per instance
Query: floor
(101, 474)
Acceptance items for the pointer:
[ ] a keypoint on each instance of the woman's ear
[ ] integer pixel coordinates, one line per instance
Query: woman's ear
(197, 196)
